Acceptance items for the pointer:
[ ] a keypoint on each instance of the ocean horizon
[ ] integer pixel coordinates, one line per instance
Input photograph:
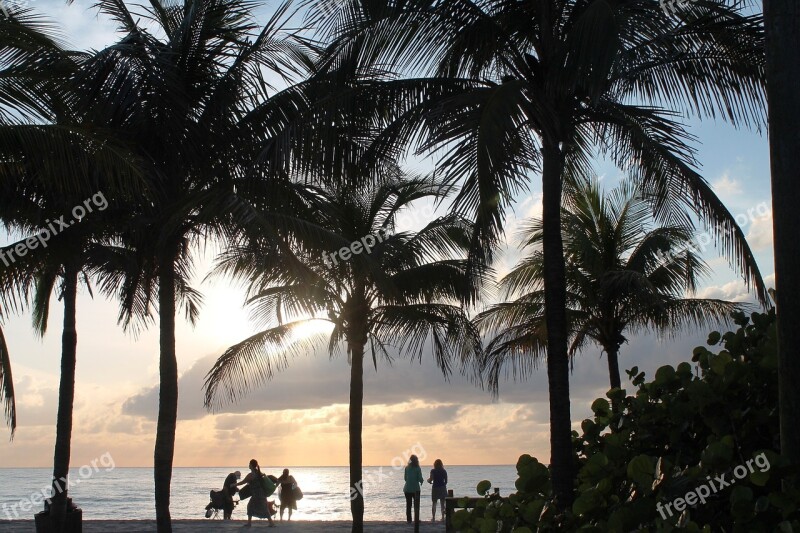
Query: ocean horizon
(126, 493)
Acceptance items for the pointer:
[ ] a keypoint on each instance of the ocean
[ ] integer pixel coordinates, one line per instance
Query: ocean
(127, 493)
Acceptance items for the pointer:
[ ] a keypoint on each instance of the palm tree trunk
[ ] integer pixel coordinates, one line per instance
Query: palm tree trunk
(555, 295)
(66, 399)
(168, 393)
(612, 353)
(356, 344)
(7, 399)
(782, 21)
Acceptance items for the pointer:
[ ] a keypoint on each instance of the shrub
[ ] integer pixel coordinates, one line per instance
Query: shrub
(679, 432)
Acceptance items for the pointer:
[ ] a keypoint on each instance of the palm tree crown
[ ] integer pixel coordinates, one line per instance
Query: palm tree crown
(624, 275)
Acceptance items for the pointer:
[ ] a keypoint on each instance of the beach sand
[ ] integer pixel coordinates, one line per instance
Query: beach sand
(191, 526)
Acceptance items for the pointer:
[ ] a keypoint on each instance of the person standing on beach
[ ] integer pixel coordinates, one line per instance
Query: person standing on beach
(438, 478)
(257, 506)
(414, 480)
(288, 485)
(228, 490)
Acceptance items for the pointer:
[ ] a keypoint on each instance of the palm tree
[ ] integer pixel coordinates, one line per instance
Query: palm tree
(782, 19)
(54, 269)
(190, 91)
(57, 269)
(397, 289)
(504, 89)
(58, 262)
(7, 398)
(623, 275)
(52, 161)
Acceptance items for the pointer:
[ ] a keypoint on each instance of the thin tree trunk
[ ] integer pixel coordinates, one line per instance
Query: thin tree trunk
(782, 21)
(168, 393)
(555, 294)
(66, 399)
(356, 345)
(7, 399)
(612, 354)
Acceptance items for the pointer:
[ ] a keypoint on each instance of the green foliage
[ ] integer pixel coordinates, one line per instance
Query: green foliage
(675, 434)
(484, 487)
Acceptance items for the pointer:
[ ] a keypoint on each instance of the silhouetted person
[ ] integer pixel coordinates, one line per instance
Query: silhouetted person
(438, 478)
(288, 500)
(229, 488)
(223, 499)
(414, 480)
(257, 506)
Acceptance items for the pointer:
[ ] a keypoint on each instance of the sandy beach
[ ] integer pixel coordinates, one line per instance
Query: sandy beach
(191, 526)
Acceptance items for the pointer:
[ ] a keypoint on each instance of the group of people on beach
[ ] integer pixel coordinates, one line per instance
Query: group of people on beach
(413, 487)
(260, 487)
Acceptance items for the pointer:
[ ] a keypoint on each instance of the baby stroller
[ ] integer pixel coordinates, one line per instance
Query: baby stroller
(217, 504)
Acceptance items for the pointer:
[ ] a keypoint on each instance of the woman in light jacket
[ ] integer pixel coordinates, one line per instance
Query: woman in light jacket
(414, 480)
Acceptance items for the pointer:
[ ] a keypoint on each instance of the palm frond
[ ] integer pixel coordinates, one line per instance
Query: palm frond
(454, 339)
(253, 362)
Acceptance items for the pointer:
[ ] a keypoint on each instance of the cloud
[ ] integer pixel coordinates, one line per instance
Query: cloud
(316, 382)
(412, 414)
(760, 235)
(404, 403)
(727, 186)
(301, 418)
(80, 24)
(36, 401)
(735, 291)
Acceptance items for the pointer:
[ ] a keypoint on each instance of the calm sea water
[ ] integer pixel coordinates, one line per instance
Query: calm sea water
(127, 493)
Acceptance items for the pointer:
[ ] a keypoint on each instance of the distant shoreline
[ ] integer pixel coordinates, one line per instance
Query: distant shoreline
(201, 526)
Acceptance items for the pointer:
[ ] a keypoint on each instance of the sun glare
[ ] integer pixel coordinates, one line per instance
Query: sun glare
(312, 328)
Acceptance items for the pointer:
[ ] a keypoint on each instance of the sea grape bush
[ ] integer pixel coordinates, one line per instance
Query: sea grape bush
(689, 424)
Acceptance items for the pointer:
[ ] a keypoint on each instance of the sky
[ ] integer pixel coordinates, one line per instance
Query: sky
(300, 418)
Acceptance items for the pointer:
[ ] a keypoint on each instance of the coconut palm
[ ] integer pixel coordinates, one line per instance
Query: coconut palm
(504, 89)
(782, 19)
(7, 398)
(52, 161)
(189, 88)
(57, 267)
(624, 275)
(397, 290)
(58, 256)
